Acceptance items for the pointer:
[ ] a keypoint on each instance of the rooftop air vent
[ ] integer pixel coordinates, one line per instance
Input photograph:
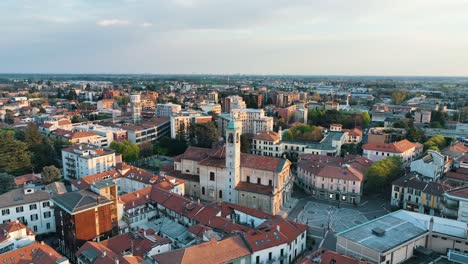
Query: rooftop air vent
(378, 231)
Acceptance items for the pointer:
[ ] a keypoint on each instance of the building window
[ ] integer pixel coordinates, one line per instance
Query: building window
(5, 211)
(248, 179)
(396, 188)
(270, 183)
(19, 209)
(35, 228)
(220, 194)
(32, 206)
(269, 255)
(257, 260)
(45, 204)
(34, 217)
(354, 182)
(203, 190)
(259, 181)
(47, 214)
(212, 176)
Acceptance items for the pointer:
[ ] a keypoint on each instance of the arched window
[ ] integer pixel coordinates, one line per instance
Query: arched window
(231, 138)
(203, 190)
(220, 194)
(237, 137)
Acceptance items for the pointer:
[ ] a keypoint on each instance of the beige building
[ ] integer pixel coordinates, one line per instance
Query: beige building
(332, 178)
(225, 174)
(183, 120)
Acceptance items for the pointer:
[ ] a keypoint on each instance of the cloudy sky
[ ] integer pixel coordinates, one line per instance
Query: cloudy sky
(350, 37)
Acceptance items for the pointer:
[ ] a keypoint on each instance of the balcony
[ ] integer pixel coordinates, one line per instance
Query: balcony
(451, 203)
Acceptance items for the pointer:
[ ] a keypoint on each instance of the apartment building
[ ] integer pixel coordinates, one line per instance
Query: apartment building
(332, 178)
(233, 102)
(432, 166)
(85, 159)
(37, 252)
(106, 134)
(184, 119)
(456, 204)
(148, 130)
(168, 109)
(29, 206)
(412, 193)
(211, 108)
(253, 120)
(86, 215)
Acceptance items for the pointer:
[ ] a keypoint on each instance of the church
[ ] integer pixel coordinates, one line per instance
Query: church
(226, 174)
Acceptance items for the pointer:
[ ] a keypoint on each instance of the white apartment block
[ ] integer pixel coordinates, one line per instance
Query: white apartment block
(253, 120)
(30, 207)
(210, 107)
(106, 134)
(84, 159)
(432, 166)
(167, 110)
(15, 235)
(404, 149)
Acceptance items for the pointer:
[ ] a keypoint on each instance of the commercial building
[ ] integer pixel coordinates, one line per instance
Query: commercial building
(396, 237)
(85, 159)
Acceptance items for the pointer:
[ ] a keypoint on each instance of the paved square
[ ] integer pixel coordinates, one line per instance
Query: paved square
(316, 215)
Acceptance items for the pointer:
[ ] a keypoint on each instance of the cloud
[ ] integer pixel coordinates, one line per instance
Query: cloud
(146, 24)
(112, 22)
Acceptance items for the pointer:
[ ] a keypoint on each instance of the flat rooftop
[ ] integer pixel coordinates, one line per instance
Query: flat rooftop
(396, 228)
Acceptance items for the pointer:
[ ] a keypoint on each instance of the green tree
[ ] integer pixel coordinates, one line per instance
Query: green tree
(14, 155)
(130, 151)
(32, 135)
(7, 182)
(9, 117)
(146, 149)
(206, 135)
(245, 143)
(380, 174)
(399, 96)
(44, 154)
(75, 119)
(72, 95)
(50, 174)
(366, 119)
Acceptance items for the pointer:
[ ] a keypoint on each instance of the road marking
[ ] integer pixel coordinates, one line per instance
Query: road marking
(323, 240)
(364, 203)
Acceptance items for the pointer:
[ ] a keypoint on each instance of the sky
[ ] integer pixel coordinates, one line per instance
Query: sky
(306, 37)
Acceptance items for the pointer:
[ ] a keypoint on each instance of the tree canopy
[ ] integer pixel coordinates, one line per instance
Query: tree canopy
(130, 151)
(348, 120)
(7, 182)
(436, 142)
(303, 133)
(50, 174)
(14, 155)
(382, 173)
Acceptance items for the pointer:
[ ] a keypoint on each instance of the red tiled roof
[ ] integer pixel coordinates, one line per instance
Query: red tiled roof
(140, 242)
(198, 230)
(82, 134)
(267, 136)
(396, 147)
(64, 122)
(273, 233)
(136, 199)
(459, 192)
(37, 253)
(10, 227)
(459, 148)
(21, 180)
(349, 168)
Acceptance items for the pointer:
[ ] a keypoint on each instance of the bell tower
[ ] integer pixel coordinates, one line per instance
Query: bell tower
(233, 133)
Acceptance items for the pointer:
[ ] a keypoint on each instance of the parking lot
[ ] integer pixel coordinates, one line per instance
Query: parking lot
(317, 214)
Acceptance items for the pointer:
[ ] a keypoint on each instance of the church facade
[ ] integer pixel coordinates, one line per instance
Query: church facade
(226, 174)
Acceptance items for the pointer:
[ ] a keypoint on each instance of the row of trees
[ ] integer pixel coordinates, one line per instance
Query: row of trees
(436, 142)
(348, 120)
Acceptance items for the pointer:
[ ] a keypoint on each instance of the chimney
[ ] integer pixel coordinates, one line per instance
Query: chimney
(280, 132)
(104, 253)
(116, 260)
(278, 228)
(42, 242)
(138, 195)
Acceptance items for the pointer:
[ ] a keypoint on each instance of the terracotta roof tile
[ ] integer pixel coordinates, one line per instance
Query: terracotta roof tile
(38, 253)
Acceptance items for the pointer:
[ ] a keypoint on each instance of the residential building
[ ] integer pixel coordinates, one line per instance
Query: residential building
(37, 252)
(398, 236)
(213, 97)
(233, 102)
(148, 130)
(225, 174)
(286, 113)
(412, 193)
(78, 137)
(29, 206)
(86, 215)
(422, 117)
(456, 204)
(404, 149)
(271, 144)
(15, 235)
(106, 134)
(168, 109)
(353, 136)
(184, 119)
(253, 120)
(132, 247)
(211, 108)
(432, 166)
(85, 159)
(332, 178)
(135, 107)
(105, 104)
(301, 115)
